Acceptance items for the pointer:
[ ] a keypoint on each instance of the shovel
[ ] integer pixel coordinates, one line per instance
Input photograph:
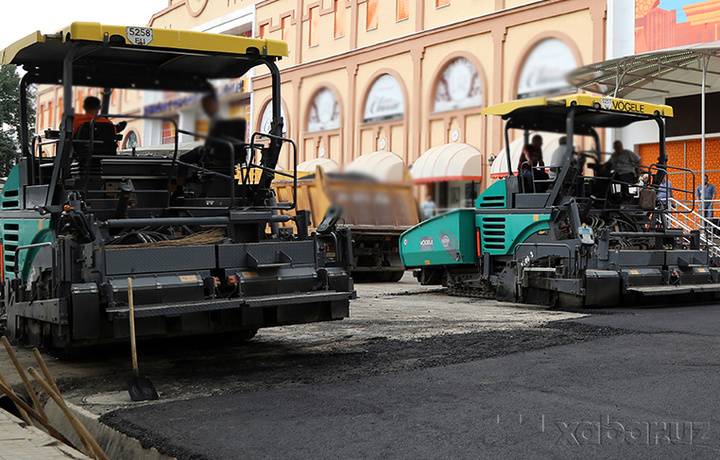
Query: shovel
(140, 388)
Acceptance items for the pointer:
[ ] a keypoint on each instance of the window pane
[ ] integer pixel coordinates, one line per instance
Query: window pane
(439, 3)
(50, 114)
(314, 25)
(168, 133)
(263, 31)
(285, 28)
(402, 9)
(372, 16)
(339, 18)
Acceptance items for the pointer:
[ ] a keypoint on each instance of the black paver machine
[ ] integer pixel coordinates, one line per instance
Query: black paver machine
(199, 239)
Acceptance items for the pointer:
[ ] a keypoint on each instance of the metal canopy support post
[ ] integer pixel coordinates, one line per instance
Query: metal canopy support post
(24, 144)
(507, 151)
(704, 62)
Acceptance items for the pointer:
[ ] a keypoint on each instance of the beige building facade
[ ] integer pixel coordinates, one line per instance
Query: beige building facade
(436, 62)
(400, 76)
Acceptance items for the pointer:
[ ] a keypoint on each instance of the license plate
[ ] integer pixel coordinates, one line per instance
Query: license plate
(139, 35)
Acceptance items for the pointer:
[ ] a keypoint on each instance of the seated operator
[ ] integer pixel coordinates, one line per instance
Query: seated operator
(211, 108)
(624, 163)
(531, 166)
(91, 105)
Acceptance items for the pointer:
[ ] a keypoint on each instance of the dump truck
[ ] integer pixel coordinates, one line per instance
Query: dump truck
(198, 251)
(579, 239)
(376, 213)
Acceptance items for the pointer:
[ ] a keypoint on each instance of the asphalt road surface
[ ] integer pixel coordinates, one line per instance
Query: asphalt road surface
(417, 374)
(614, 384)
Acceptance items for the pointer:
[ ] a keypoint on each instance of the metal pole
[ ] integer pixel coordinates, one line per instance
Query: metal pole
(705, 60)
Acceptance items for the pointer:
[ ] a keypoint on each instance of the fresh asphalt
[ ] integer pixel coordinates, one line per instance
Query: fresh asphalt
(648, 391)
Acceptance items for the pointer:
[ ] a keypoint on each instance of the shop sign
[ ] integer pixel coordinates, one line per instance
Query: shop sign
(186, 100)
(172, 104)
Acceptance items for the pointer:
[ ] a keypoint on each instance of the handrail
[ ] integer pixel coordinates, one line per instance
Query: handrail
(694, 220)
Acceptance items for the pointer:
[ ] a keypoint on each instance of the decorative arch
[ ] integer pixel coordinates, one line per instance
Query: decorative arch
(458, 118)
(389, 134)
(327, 142)
(532, 45)
(195, 7)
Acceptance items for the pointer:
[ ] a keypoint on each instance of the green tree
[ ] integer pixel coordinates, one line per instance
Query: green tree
(10, 117)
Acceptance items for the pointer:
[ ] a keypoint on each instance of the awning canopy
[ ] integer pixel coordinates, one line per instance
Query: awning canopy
(328, 165)
(383, 166)
(668, 72)
(550, 145)
(448, 162)
(672, 72)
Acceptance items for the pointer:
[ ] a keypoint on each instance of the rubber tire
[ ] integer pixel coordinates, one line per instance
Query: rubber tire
(247, 334)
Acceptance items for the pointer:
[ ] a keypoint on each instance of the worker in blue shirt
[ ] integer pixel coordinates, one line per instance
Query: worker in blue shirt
(709, 196)
(664, 192)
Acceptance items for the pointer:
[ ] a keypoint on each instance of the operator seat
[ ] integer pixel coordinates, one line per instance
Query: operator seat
(104, 139)
(104, 144)
(218, 153)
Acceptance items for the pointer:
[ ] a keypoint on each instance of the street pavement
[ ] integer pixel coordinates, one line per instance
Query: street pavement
(647, 390)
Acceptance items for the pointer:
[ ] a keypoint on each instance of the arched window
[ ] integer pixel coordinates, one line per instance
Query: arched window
(385, 100)
(266, 120)
(543, 72)
(324, 112)
(131, 140)
(323, 136)
(459, 87)
(384, 124)
(454, 102)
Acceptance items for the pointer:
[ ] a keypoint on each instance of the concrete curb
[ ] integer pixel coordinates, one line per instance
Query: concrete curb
(20, 441)
(115, 444)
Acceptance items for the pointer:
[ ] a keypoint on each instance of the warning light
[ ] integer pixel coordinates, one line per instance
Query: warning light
(67, 207)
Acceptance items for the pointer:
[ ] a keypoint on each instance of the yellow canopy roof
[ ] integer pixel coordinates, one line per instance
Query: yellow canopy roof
(147, 37)
(139, 57)
(582, 100)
